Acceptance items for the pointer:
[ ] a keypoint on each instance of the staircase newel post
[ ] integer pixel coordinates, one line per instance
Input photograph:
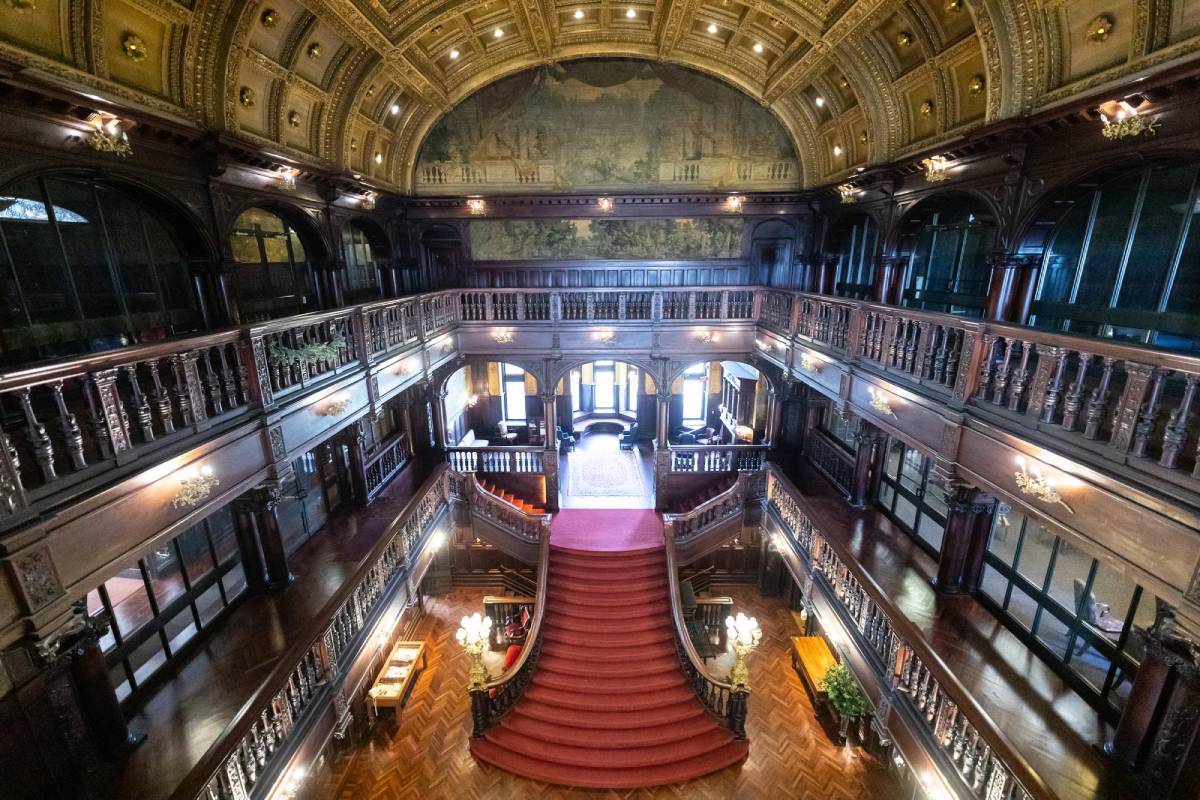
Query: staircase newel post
(480, 712)
(737, 712)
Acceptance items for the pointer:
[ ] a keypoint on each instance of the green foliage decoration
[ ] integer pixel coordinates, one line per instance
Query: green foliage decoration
(843, 692)
(284, 356)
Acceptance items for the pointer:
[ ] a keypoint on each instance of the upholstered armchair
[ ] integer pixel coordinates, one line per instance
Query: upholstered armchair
(629, 438)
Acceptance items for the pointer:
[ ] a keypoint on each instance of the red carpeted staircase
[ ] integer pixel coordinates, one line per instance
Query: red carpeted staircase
(608, 707)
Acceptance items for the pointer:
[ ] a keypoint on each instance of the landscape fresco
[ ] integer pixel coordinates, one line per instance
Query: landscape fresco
(693, 238)
(606, 125)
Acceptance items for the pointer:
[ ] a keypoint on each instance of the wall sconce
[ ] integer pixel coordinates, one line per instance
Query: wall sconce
(847, 193)
(287, 178)
(107, 135)
(476, 206)
(403, 368)
(194, 487)
(447, 345)
(1041, 487)
(335, 407)
(734, 203)
(881, 402)
(437, 540)
(472, 400)
(935, 169)
(291, 787)
(744, 635)
(472, 634)
(503, 337)
(766, 347)
(605, 204)
(607, 338)
(1121, 120)
(368, 201)
(809, 363)
(705, 337)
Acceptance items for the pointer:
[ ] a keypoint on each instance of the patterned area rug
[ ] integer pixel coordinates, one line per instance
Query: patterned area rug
(606, 475)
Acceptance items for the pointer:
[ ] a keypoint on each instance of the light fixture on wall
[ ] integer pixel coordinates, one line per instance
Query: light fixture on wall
(1121, 120)
(472, 634)
(472, 399)
(368, 201)
(606, 338)
(108, 135)
(743, 634)
(335, 407)
(605, 204)
(287, 178)
(290, 789)
(194, 486)
(476, 205)
(810, 363)
(766, 347)
(847, 193)
(936, 169)
(705, 337)
(734, 203)
(1032, 482)
(502, 337)
(881, 402)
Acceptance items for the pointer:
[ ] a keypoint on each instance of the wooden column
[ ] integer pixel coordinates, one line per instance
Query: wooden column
(869, 440)
(774, 418)
(550, 451)
(1013, 279)
(437, 407)
(662, 450)
(356, 445)
(889, 274)
(97, 698)
(246, 529)
(969, 514)
(1158, 737)
(263, 502)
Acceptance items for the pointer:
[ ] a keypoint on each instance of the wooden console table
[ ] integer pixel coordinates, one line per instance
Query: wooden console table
(395, 680)
(812, 658)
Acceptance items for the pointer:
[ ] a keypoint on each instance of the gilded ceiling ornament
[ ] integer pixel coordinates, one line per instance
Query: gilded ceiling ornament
(862, 137)
(844, 84)
(269, 18)
(953, 6)
(314, 50)
(927, 108)
(904, 39)
(353, 145)
(246, 97)
(294, 119)
(975, 85)
(371, 90)
(22, 6)
(1099, 28)
(134, 47)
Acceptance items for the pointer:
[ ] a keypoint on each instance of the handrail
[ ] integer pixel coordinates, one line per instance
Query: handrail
(209, 776)
(525, 522)
(718, 696)
(905, 634)
(499, 696)
(737, 491)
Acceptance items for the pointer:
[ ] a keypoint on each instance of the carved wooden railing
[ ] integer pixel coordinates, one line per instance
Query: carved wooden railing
(718, 457)
(504, 514)
(607, 305)
(966, 739)
(718, 697)
(499, 696)
(714, 512)
(383, 465)
(505, 607)
(831, 459)
(496, 459)
(246, 758)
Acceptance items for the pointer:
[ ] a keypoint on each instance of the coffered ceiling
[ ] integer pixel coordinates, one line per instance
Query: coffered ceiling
(354, 85)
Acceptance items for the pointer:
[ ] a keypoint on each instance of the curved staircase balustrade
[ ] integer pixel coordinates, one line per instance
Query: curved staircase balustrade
(717, 510)
(965, 736)
(718, 697)
(254, 747)
(497, 699)
(504, 514)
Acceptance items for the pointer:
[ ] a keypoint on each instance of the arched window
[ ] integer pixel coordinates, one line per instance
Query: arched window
(946, 242)
(1124, 261)
(85, 267)
(274, 279)
(853, 241)
(363, 261)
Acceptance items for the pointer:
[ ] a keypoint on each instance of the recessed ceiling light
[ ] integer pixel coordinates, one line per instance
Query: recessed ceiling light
(837, 149)
(631, 13)
(453, 54)
(820, 102)
(758, 47)
(379, 158)
(395, 108)
(578, 13)
(498, 32)
(712, 27)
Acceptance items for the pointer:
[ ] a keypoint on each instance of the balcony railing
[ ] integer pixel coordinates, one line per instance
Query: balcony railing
(251, 750)
(712, 513)
(718, 458)
(967, 739)
(607, 305)
(496, 459)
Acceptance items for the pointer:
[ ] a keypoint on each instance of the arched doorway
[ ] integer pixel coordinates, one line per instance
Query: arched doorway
(852, 244)
(365, 251)
(273, 271)
(718, 402)
(944, 243)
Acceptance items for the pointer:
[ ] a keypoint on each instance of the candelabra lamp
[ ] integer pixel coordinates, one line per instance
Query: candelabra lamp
(744, 635)
(472, 634)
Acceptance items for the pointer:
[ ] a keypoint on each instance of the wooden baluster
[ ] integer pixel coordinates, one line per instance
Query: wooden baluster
(1002, 373)
(162, 400)
(987, 365)
(1176, 433)
(183, 396)
(72, 435)
(227, 378)
(1074, 400)
(1019, 377)
(1052, 361)
(141, 405)
(938, 374)
(1098, 401)
(212, 383)
(1149, 415)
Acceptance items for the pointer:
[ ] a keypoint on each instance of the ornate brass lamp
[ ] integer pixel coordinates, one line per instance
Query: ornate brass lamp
(744, 635)
(472, 634)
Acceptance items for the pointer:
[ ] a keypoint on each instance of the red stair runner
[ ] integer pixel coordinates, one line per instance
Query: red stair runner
(608, 707)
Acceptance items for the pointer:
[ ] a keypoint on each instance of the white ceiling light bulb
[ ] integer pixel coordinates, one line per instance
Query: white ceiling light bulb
(820, 102)
(631, 13)
(379, 158)
(453, 54)
(498, 32)
(395, 108)
(578, 13)
(758, 47)
(837, 149)
(712, 27)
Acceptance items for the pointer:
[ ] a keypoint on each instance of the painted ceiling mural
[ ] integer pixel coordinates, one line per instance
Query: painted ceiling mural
(606, 125)
(355, 86)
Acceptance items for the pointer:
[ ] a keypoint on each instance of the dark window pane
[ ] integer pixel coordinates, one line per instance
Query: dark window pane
(180, 629)
(147, 659)
(1107, 246)
(1022, 607)
(120, 681)
(931, 532)
(210, 604)
(193, 544)
(37, 258)
(1035, 552)
(1185, 293)
(1006, 530)
(166, 577)
(1156, 238)
(1062, 259)
(234, 582)
(1071, 568)
(224, 537)
(993, 584)
(1053, 633)
(85, 249)
(94, 608)
(131, 607)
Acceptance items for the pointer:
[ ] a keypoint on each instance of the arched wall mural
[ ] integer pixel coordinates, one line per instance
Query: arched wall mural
(607, 125)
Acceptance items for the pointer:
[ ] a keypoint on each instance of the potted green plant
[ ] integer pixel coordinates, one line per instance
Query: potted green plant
(844, 695)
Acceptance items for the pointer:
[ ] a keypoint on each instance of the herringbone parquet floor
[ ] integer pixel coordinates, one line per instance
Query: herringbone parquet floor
(425, 756)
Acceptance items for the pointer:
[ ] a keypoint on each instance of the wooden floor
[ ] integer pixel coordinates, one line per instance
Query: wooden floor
(424, 756)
